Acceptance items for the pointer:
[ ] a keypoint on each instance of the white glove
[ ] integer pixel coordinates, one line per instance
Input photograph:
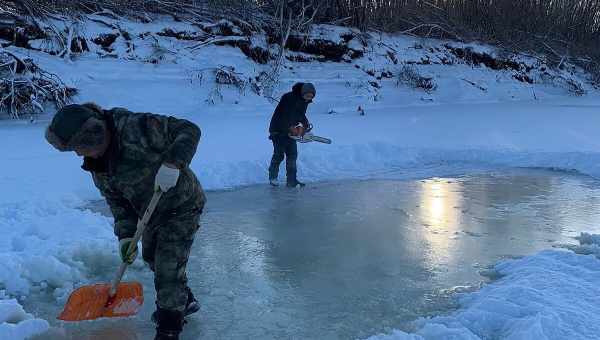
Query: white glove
(166, 178)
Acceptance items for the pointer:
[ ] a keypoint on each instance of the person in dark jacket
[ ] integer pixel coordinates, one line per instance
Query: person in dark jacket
(130, 155)
(289, 118)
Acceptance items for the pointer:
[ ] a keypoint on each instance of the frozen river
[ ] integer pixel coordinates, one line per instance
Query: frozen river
(348, 260)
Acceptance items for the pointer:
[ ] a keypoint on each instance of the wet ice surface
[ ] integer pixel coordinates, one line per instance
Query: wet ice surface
(352, 259)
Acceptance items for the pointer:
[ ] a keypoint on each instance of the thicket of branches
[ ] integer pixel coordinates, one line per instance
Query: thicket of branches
(25, 88)
(561, 29)
(558, 27)
(143, 9)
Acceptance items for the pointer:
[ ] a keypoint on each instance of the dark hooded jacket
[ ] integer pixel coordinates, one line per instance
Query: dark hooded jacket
(290, 111)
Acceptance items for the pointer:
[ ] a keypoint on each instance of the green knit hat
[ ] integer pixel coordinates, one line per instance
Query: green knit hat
(75, 126)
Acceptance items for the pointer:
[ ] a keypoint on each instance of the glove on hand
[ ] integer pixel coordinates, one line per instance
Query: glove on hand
(297, 130)
(166, 178)
(124, 247)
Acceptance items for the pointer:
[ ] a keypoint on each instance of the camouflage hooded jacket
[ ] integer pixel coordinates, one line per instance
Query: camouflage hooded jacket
(140, 144)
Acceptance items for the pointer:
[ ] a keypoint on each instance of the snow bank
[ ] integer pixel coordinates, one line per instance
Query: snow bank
(49, 246)
(589, 244)
(15, 324)
(551, 295)
(45, 245)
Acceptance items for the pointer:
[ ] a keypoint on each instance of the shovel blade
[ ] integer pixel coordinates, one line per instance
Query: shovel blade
(93, 302)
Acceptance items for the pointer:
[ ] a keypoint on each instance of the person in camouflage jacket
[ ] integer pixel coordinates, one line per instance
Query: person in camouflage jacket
(129, 155)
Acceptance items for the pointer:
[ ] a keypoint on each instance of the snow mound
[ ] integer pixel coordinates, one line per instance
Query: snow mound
(551, 295)
(589, 244)
(46, 245)
(15, 324)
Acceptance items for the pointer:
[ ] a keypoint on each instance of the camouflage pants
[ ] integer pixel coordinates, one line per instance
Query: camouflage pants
(166, 249)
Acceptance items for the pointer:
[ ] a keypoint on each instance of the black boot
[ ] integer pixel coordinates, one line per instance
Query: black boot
(295, 183)
(170, 324)
(191, 307)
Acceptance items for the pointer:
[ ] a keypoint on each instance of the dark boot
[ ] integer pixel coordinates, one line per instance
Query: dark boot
(170, 324)
(295, 183)
(191, 307)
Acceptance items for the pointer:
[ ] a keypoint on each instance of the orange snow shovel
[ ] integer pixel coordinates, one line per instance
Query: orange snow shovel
(106, 300)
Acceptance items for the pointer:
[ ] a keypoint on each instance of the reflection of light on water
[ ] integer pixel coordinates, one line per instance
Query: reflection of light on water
(440, 203)
(435, 202)
(440, 210)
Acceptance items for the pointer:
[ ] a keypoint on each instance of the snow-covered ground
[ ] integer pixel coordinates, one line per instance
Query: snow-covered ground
(551, 295)
(50, 243)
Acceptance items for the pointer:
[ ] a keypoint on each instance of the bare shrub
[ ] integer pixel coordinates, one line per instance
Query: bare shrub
(573, 86)
(159, 51)
(226, 75)
(219, 77)
(25, 88)
(411, 77)
(214, 96)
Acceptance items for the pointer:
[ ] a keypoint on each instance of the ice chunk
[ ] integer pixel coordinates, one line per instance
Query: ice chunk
(16, 324)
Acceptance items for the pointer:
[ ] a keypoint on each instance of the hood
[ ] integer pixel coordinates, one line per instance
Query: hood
(297, 88)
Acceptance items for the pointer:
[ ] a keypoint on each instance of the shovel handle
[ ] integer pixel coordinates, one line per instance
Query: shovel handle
(141, 225)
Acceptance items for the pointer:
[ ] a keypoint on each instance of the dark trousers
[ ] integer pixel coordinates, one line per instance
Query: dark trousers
(284, 147)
